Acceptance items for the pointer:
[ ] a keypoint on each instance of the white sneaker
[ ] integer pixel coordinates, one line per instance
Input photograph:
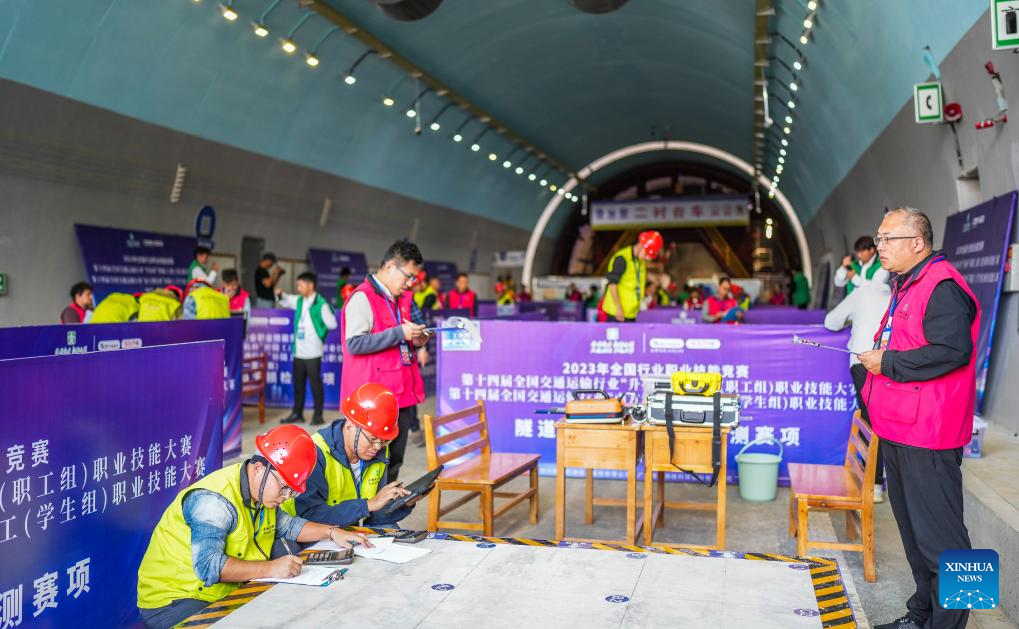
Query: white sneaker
(879, 494)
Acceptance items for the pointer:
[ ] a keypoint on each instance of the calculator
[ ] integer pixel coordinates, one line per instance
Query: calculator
(329, 557)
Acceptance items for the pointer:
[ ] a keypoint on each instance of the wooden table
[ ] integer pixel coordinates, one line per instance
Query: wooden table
(692, 453)
(603, 447)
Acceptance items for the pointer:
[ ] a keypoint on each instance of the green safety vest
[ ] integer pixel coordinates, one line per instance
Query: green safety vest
(316, 318)
(116, 308)
(631, 286)
(166, 573)
(191, 269)
(210, 303)
(340, 479)
(858, 268)
(419, 298)
(158, 305)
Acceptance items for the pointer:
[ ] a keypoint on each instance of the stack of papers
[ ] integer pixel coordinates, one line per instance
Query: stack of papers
(384, 549)
(310, 575)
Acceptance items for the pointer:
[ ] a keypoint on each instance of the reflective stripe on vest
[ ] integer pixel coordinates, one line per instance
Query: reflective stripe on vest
(210, 304)
(116, 308)
(166, 573)
(340, 479)
(157, 305)
(630, 285)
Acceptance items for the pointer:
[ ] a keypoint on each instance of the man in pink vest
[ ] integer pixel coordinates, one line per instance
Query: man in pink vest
(921, 393)
(379, 343)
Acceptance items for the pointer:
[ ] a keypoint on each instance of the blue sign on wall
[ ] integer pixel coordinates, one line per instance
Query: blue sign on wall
(131, 261)
(94, 447)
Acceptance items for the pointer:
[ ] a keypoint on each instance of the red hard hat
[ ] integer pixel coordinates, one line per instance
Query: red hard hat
(291, 451)
(420, 278)
(651, 241)
(373, 408)
(191, 285)
(175, 290)
(347, 291)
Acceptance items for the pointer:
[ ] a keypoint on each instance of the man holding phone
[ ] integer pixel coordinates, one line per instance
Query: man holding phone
(379, 344)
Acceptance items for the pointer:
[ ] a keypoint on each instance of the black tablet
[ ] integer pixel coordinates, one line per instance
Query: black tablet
(417, 488)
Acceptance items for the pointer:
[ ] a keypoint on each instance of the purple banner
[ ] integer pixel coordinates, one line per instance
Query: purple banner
(783, 315)
(445, 271)
(796, 394)
(47, 340)
(669, 315)
(95, 447)
(976, 243)
(132, 261)
(327, 264)
(272, 331)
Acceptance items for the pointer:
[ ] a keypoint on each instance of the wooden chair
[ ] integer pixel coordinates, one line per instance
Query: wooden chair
(481, 475)
(253, 369)
(848, 487)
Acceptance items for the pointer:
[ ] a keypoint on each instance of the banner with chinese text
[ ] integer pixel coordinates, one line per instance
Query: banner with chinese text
(976, 243)
(800, 395)
(94, 447)
(132, 261)
(327, 265)
(666, 213)
(49, 340)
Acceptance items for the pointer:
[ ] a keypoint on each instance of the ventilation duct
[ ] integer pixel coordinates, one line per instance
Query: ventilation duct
(598, 6)
(407, 10)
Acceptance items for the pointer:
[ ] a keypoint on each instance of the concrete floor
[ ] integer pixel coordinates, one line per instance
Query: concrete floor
(751, 527)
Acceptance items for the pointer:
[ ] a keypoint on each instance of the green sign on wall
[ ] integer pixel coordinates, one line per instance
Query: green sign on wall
(1004, 24)
(927, 102)
(3, 284)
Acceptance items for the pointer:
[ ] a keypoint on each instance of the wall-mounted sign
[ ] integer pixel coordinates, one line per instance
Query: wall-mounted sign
(927, 102)
(1004, 24)
(675, 212)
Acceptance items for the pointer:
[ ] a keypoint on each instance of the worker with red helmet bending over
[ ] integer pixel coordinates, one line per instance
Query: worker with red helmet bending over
(348, 484)
(628, 277)
(219, 531)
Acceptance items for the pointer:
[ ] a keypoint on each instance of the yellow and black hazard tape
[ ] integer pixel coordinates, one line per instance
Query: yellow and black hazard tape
(832, 598)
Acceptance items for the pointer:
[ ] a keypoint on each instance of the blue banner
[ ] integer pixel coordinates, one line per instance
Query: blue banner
(799, 395)
(327, 264)
(48, 340)
(445, 271)
(976, 243)
(94, 448)
(132, 261)
(271, 331)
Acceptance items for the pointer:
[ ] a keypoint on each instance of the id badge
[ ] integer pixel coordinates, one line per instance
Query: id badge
(406, 356)
(886, 336)
(300, 333)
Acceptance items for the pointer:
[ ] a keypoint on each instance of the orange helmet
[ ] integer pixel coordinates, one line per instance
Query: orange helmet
(373, 408)
(651, 241)
(347, 291)
(291, 451)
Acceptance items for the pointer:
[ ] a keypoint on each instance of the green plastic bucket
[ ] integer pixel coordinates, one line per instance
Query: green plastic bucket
(758, 472)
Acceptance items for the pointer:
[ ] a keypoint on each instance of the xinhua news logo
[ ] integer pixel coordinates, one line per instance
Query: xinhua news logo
(968, 579)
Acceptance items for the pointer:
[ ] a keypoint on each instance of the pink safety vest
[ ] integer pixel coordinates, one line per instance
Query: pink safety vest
(457, 300)
(385, 367)
(936, 414)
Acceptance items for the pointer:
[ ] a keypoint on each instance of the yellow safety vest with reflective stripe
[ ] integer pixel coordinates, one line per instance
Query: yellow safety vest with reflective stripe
(166, 573)
(419, 298)
(340, 479)
(158, 305)
(210, 303)
(631, 285)
(116, 308)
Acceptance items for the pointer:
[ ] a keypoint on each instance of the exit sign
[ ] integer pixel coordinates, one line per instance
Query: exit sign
(3, 284)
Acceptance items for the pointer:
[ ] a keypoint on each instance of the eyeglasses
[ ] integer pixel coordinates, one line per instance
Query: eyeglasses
(881, 240)
(408, 277)
(285, 491)
(376, 443)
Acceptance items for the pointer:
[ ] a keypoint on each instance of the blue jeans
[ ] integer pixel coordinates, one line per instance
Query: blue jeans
(172, 614)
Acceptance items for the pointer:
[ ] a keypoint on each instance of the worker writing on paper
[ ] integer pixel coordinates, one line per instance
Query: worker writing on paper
(627, 277)
(219, 531)
(348, 484)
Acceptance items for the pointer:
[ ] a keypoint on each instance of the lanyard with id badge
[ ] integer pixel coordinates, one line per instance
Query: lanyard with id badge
(406, 353)
(886, 332)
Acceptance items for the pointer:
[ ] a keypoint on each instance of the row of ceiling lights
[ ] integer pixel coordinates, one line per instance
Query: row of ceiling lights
(536, 172)
(793, 87)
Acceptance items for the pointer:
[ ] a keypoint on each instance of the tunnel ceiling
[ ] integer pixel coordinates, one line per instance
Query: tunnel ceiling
(573, 84)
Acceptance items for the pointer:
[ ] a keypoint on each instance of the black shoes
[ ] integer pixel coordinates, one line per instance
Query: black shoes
(317, 420)
(902, 623)
(292, 418)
